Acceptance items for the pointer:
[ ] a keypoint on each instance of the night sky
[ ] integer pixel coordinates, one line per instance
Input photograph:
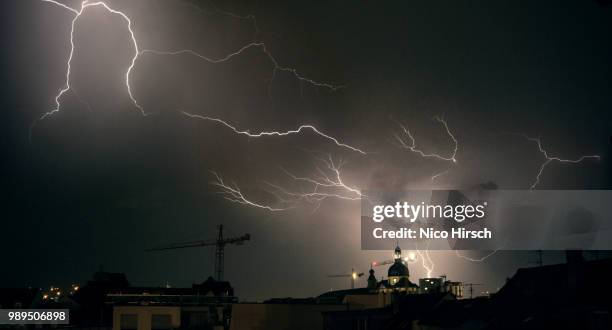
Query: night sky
(98, 182)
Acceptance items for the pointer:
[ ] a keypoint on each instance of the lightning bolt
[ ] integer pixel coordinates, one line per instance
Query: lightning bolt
(276, 66)
(232, 193)
(327, 183)
(426, 261)
(481, 259)
(67, 87)
(437, 175)
(412, 144)
(138, 52)
(550, 159)
(327, 178)
(275, 133)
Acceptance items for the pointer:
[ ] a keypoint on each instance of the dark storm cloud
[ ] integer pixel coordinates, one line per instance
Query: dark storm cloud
(99, 182)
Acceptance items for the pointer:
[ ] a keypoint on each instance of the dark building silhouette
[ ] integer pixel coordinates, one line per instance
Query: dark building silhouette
(205, 305)
(399, 315)
(574, 295)
(17, 297)
(92, 309)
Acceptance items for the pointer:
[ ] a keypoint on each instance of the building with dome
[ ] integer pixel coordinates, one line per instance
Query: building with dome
(398, 277)
(398, 272)
(393, 287)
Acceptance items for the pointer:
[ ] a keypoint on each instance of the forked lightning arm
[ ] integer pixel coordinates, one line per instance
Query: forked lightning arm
(138, 52)
(232, 193)
(549, 159)
(327, 183)
(411, 145)
(276, 133)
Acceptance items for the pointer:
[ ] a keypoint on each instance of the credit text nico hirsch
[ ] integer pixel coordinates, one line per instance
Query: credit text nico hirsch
(412, 212)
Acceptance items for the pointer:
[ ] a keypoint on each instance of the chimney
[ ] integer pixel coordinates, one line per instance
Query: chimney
(575, 266)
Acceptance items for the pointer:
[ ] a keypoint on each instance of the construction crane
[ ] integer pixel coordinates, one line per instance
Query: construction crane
(219, 244)
(471, 285)
(353, 276)
(411, 257)
(381, 263)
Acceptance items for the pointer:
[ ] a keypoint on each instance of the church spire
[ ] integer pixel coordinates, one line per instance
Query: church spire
(398, 253)
(372, 283)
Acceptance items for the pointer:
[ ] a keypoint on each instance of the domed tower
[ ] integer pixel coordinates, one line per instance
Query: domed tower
(398, 271)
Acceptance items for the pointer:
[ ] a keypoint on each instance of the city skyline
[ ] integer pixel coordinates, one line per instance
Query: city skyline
(273, 119)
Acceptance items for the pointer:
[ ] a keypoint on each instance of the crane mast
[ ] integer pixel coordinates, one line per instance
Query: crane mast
(219, 244)
(219, 255)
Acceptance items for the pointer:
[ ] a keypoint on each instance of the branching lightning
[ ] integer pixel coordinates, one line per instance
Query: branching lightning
(232, 193)
(549, 159)
(138, 52)
(426, 261)
(276, 66)
(276, 133)
(67, 87)
(481, 259)
(412, 144)
(326, 184)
